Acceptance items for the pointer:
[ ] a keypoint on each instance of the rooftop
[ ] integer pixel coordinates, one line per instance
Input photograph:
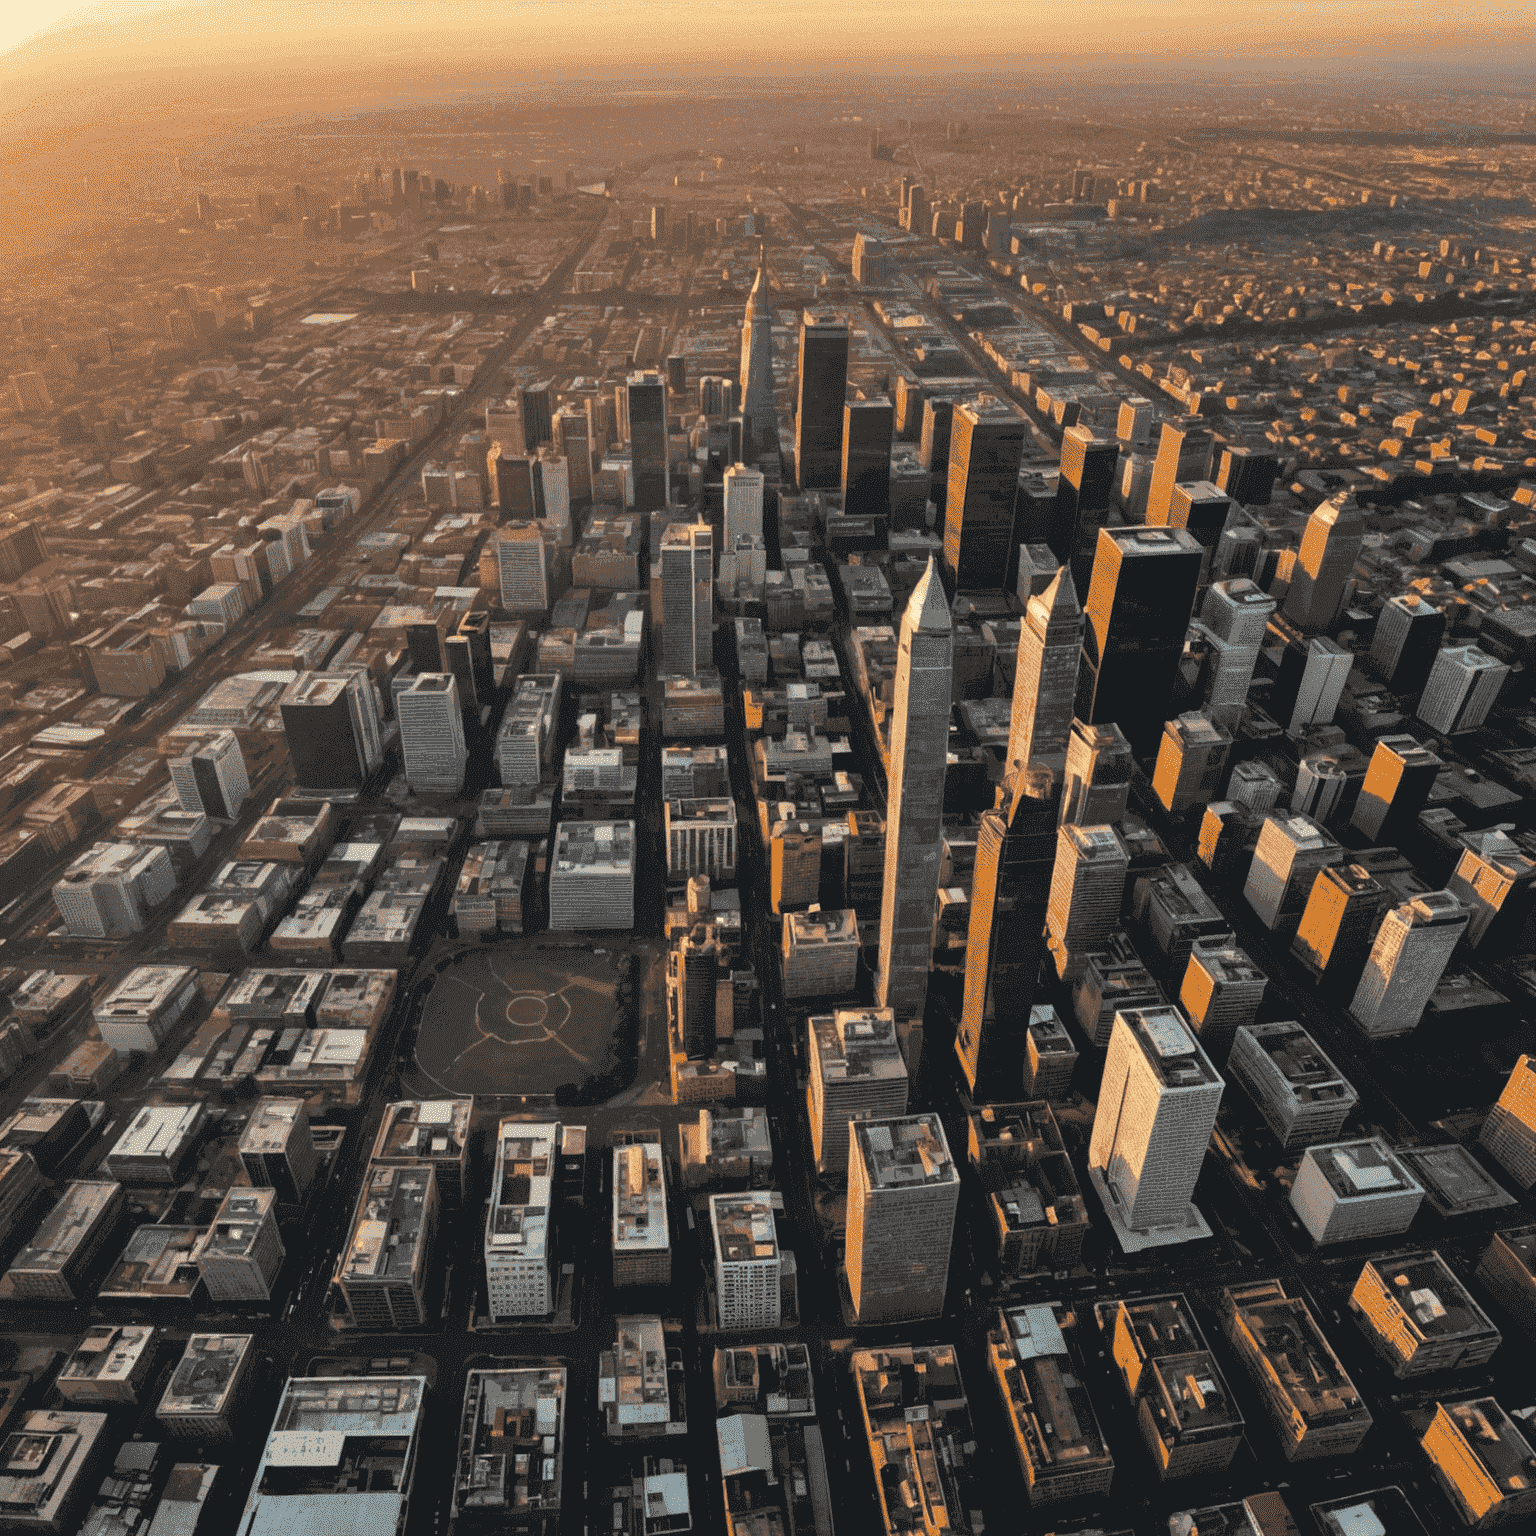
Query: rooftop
(234, 1229)
(1424, 1287)
(639, 1198)
(743, 1228)
(1361, 1170)
(904, 1152)
(1169, 1047)
(205, 1373)
(521, 1187)
(390, 1226)
(858, 1043)
(107, 1353)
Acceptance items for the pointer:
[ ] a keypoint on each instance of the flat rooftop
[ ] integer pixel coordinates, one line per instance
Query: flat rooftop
(1425, 1288)
(905, 1152)
(1169, 1047)
(204, 1375)
(1362, 1170)
(239, 1219)
(639, 1199)
(1301, 1062)
(389, 1228)
(522, 1188)
(858, 1043)
(743, 1228)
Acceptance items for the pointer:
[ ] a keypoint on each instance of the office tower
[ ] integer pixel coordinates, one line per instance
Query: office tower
(1348, 1191)
(696, 964)
(511, 477)
(1320, 686)
(1462, 689)
(1052, 1055)
(821, 953)
(717, 397)
(1045, 676)
(1254, 786)
(903, 1192)
(1098, 775)
(1157, 1108)
(1220, 993)
(333, 727)
(866, 468)
(646, 394)
(1302, 1096)
(1191, 761)
(1247, 475)
(1495, 879)
(424, 646)
(1325, 564)
(1236, 616)
(1083, 491)
(1237, 550)
(1396, 789)
(552, 493)
(1133, 421)
(864, 863)
(1483, 1459)
(1412, 949)
(277, 1149)
(1341, 916)
(915, 802)
(642, 1251)
(536, 402)
(1228, 832)
(1291, 851)
(1138, 609)
(1202, 509)
(211, 777)
(519, 1224)
(1409, 630)
(677, 378)
(432, 733)
(592, 876)
(241, 1254)
(1321, 780)
(743, 492)
(687, 599)
(820, 391)
(794, 865)
(933, 444)
(1420, 1317)
(985, 447)
(1183, 454)
(659, 224)
(757, 404)
(1015, 853)
(857, 1073)
(522, 564)
(107, 891)
(573, 442)
(1087, 890)
(747, 1266)
(1509, 1133)
(385, 1263)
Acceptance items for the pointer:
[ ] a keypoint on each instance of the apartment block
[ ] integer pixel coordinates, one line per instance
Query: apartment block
(748, 1266)
(1419, 1317)
(1302, 1096)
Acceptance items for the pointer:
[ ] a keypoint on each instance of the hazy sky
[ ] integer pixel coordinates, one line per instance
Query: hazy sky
(546, 34)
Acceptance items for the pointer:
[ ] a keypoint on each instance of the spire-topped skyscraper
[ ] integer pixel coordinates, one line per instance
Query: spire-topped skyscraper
(915, 798)
(1045, 682)
(757, 368)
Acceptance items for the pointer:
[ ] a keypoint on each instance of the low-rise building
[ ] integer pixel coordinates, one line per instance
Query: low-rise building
(47, 1130)
(434, 1131)
(749, 1269)
(1052, 1055)
(1419, 1316)
(519, 1224)
(108, 1366)
(726, 1146)
(145, 1006)
(1455, 1183)
(159, 1263)
(49, 1268)
(1033, 1208)
(1484, 1462)
(49, 1468)
(640, 1382)
(158, 1144)
(91, 1068)
(1311, 1402)
(1184, 1409)
(1380, 1511)
(208, 1386)
(1507, 1271)
(511, 1461)
(642, 1252)
(1302, 1096)
(384, 1268)
(1349, 1190)
(336, 1438)
(242, 1254)
(20, 1180)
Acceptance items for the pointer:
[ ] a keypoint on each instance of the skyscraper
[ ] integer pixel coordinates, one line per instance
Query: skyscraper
(1247, 475)
(210, 777)
(1235, 616)
(1191, 762)
(1138, 609)
(1463, 686)
(522, 564)
(743, 504)
(1407, 640)
(1015, 854)
(573, 441)
(1087, 891)
(866, 470)
(538, 415)
(552, 493)
(432, 733)
(1329, 548)
(822, 387)
(647, 396)
(1183, 453)
(1098, 775)
(1413, 947)
(687, 599)
(1157, 1108)
(903, 1192)
(333, 727)
(1083, 492)
(1342, 912)
(1045, 677)
(1509, 1132)
(915, 801)
(857, 1073)
(938, 418)
(511, 476)
(757, 403)
(1396, 789)
(985, 448)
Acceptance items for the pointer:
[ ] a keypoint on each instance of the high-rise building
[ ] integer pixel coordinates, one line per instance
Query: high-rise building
(933, 444)
(210, 778)
(695, 963)
(432, 733)
(1495, 879)
(1221, 991)
(385, 1265)
(1087, 890)
(747, 1266)
(868, 426)
(687, 599)
(821, 389)
(821, 953)
(985, 448)
(1183, 454)
(538, 412)
(523, 567)
(1483, 1460)
(1463, 686)
(903, 1192)
(1310, 683)
(1509, 1132)
(1321, 780)
(1138, 608)
(1396, 789)
(1045, 676)
(333, 726)
(649, 458)
(743, 505)
(1325, 564)
(794, 865)
(573, 442)
(277, 1149)
(915, 802)
(1098, 775)
(1291, 851)
(642, 1250)
(1157, 1108)
(857, 1073)
(1247, 475)
(511, 481)
(1409, 630)
(241, 1254)
(1202, 509)
(520, 1221)
(1191, 762)
(552, 494)
(1412, 949)
(1015, 852)
(757, 402)
(1342, 912)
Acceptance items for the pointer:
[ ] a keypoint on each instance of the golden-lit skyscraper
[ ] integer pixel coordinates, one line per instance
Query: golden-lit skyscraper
(986, 446)
(1045, 679)
(757, 402)
(821, 390)
(1329, 548)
